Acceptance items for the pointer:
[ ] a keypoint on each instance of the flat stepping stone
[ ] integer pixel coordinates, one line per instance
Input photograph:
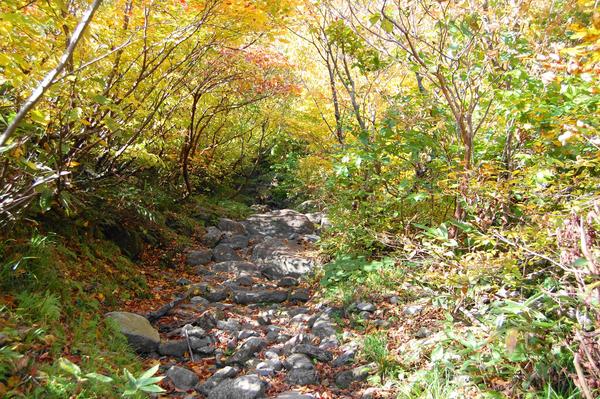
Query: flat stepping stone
(279, 223)
(263, 296)
(235, 266)
(199, 257)
(224, 252)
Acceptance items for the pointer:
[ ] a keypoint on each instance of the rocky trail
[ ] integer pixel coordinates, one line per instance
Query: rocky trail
(246, 326)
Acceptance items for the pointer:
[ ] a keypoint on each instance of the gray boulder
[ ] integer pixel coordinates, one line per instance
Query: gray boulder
(237, 241)
(216, 378)
(281, 258)
(235, 266)
(314, 352)
(279, 223)
(302, 377)
(323, 328)
(199, 257)
(294, 395)
(247, 350)
(245, 387)
(262, 296)
(346, 378)
(182, 378)
(298, 361)
(178, 347)
(212, 237)
(232, 226)
(137, 329)
(224, 252)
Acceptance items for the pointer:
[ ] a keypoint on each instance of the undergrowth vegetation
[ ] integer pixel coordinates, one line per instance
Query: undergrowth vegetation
(59, 279)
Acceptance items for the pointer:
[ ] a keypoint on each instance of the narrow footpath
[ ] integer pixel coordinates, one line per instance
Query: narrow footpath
(250, 329)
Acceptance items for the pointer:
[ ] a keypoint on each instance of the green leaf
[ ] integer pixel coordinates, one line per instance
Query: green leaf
(99, 377)
(152, 388)
(69, 367)
(149, 373)
(387, 26)
(150, 380)
(37, 116)
(130, 376)
(373, 19)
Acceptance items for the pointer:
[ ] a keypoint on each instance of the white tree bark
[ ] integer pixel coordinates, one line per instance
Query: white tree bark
(38, 93)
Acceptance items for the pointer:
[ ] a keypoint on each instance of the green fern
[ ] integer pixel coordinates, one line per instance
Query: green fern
(39, 308)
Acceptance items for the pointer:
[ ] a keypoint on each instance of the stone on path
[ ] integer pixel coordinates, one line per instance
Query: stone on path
(294, 395)
(247, 350)
(302, 377)
(232, 226)
(281, 258)
(236, 241)
(212, 237)
(280, 223)
(298, 361)
(216, 378)
(235, 266)
(137, 329)
(199, 257)
(182, 378)
(314, 352)
(262, 296)
(346, 378)
(224, 252)
(245, 387)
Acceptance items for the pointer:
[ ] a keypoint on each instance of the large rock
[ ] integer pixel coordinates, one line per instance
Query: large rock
(314, 352)
(302, 377)
(224, 252)
(298, 361)
(182, 378)
(129, 241)
(138, 331)
(245, 387)
(212, 237)
(294, 395)
(323, 327)
(237, 241)
(247, 350)
(262, 296)
(281, 223)
(200, 257)
(235, 266)
(346, 378)
(280, 258)
(216, 378)
(232, 226)
(177, 348)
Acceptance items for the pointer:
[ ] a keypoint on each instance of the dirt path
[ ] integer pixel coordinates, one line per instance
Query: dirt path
(250, 329)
